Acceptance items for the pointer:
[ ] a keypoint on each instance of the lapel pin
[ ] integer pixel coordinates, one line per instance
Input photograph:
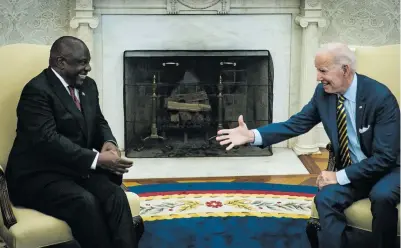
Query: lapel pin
(83, 93)
(360, 107)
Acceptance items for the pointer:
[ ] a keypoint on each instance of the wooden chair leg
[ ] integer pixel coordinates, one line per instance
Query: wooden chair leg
(312, 227)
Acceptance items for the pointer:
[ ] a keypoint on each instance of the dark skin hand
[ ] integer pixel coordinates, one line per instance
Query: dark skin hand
(110, 159)
(109, 146)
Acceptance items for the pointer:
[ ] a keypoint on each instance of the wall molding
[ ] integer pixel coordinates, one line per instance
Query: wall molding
(197, 7)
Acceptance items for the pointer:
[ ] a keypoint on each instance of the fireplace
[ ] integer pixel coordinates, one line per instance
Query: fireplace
(175, 101)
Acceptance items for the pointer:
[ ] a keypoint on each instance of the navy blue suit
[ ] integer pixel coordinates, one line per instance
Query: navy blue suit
(376, 177)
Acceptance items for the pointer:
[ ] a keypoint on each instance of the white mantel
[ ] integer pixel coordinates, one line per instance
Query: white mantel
(287, 28)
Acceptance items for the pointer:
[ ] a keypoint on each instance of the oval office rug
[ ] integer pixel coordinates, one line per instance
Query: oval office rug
(220, 215)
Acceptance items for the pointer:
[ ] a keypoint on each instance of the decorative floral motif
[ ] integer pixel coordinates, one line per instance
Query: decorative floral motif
(188, 205)
(240, 203)
(363, 22)
(313, 3)
(179, 206)
(198, 4)
(195, 205)
(175, 6)
(214, 204)
(33, 21)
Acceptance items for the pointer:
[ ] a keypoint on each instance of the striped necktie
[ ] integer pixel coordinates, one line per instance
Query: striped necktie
(74, 97)
(345, 159)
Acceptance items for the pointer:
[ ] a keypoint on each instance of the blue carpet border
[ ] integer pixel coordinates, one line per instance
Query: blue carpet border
(206, 186)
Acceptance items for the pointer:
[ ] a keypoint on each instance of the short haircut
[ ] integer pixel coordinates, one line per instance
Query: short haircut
(341, 53)
(63, 46)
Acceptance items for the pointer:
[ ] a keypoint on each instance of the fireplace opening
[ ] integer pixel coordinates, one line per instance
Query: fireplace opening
(176, 101)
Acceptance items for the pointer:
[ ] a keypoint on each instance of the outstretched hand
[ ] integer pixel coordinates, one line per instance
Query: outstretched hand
(236, 136)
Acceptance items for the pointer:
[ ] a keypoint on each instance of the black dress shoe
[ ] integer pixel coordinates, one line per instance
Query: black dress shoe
(139, 226)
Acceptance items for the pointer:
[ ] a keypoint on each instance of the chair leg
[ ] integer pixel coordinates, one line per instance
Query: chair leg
(312, 227)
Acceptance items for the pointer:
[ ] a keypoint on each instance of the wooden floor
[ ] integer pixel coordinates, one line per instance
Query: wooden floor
(313, 163)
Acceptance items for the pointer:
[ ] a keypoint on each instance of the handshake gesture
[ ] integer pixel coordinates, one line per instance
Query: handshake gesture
(240, 135)
(110, 159)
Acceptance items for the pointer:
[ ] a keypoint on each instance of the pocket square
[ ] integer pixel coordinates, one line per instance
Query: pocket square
(364, 129)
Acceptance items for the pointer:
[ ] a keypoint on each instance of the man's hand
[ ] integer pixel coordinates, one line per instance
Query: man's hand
(236, 136)
(326, 178)
(110, 160)
(109, 146)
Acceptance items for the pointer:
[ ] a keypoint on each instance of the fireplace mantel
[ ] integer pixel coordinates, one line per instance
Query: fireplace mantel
(219, 7)
(303, 35)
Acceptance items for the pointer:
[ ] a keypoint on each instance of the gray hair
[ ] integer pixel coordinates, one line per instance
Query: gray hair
(342, 54)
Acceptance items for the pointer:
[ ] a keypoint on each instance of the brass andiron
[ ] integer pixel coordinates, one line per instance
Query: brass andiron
(220, 110)
(154, 131)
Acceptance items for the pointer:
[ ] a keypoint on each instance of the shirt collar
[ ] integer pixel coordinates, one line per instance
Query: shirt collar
(61, 79)
(350, 94)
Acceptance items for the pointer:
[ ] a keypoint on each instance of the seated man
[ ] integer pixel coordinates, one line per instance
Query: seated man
(362, 120)
(54, 165)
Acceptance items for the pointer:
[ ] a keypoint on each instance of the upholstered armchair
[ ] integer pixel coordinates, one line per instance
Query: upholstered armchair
(358, 214)
(22, 227)
(382, 64)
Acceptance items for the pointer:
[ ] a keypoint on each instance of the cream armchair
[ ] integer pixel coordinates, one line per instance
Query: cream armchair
(383, 64)
(21, 227)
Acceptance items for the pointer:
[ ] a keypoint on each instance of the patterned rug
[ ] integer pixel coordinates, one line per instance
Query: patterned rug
(224, 215)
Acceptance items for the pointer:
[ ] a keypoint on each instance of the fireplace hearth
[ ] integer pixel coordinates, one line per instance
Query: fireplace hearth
(175, 101)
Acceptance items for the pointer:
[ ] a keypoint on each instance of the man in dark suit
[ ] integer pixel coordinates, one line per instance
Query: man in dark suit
(362, 120)
(54, 165)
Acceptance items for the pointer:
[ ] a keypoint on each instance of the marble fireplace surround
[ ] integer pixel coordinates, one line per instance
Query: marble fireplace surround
(288, 29)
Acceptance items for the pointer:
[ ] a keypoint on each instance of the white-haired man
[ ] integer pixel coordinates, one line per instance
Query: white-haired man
(362, 120)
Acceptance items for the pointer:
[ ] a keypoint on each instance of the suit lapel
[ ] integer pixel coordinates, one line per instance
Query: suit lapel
(66, 99)
(333, 121)
(360, 105)
(87, 111)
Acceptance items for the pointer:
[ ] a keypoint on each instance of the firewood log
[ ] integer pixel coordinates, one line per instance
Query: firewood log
(191, 107)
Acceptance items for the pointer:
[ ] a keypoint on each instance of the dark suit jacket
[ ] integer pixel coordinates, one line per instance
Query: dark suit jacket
(375, 105)
(54, 139)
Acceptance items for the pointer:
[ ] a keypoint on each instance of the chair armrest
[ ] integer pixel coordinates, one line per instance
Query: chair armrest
(7, 215)
(134, 203)
(331, 165)
(133, 200)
